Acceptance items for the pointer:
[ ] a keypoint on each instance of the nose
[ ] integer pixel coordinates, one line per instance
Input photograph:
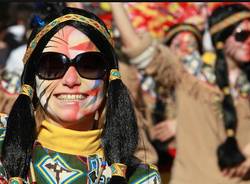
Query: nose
(71, 78)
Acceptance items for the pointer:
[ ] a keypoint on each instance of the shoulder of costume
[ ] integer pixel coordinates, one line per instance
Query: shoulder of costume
(145, 173)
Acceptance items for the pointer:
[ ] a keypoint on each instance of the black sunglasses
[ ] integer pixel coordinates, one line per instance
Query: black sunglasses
(89, 65)
(242, 35)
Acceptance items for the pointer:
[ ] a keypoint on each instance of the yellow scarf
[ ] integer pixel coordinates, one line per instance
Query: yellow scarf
(69, 141)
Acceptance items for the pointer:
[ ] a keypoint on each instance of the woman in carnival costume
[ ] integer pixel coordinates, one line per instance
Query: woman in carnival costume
(52, 133)
(185, 40)
(213, 142)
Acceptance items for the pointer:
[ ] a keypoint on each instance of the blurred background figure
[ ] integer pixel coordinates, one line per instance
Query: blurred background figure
(207, 112)
(15, 39)
(4, 49)
(19, 18)
(165, 23)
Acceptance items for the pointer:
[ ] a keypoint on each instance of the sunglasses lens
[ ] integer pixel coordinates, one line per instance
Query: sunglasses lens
(51, 66)
(242, 36)
(91, 65)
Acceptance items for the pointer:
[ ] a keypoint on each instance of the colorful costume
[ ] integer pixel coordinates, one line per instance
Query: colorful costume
(72, 161)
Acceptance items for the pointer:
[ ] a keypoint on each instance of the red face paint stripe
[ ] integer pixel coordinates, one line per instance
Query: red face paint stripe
(84, 46)
(93, 92)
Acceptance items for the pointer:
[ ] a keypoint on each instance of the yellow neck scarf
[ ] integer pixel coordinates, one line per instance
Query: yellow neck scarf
(69, 141)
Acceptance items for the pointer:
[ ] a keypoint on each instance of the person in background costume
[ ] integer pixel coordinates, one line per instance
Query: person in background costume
(212, 115)
(16, 37)
(184, 40)
(53, 134)
(159, 106)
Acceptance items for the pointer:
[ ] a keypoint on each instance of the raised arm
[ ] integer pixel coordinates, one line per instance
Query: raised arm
(133, 43)
(124, 25)
(144, 52)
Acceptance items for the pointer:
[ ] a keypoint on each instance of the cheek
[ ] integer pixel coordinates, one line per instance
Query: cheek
(242, 55)
(231, 47)
(237, 50)
(44, 89)
(90, 86)
(96, 95)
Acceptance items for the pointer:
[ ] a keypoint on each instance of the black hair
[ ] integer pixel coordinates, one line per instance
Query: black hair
(183, 27)
(228, 152)
(120, 134)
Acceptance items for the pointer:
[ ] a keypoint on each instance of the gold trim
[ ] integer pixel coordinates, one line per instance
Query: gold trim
(27, 90)
(181, 28)
(119, 169)
(154, 167)
(59, 20)
(229, 21)
(219, 45)
(226, 90)
(32, 173)
(230, 132)
(15, 180)
(114, 74)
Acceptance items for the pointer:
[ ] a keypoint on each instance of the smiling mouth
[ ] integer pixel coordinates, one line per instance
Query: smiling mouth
(71, 97)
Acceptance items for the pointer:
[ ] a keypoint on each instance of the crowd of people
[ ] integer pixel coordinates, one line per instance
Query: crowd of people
(125, 92)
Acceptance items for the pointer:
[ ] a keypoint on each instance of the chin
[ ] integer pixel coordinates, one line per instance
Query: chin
(68, 120)
(68, 116)
(244, 60)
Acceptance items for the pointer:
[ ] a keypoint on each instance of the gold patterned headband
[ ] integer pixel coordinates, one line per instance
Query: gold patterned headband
(59, 20)
(229, 21)
(180, 28)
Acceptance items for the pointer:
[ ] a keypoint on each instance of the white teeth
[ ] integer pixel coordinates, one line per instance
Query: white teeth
(71, 97)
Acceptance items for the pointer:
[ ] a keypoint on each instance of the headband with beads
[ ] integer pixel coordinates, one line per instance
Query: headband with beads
(180, 28)
(229, 21)
(51, 25)
(114, 73)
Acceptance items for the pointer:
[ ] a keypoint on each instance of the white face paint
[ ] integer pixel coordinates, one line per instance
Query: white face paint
(71, 98)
